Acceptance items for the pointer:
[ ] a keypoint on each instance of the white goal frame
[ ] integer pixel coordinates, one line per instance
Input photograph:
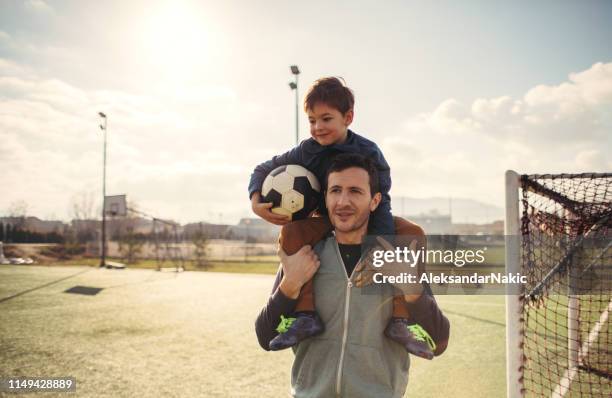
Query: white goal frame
(515, 305)
(514, 352)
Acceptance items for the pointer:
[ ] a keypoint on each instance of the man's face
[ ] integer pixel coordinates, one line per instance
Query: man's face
(348, 199)
(327, 125)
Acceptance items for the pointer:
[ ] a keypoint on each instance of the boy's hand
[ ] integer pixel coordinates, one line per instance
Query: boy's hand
(263, 211)
(297, 270)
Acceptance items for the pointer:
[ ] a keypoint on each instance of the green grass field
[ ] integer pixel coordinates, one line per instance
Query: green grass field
(154, 333)
(192, 333)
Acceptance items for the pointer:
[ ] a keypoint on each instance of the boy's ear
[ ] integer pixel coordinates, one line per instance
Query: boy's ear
(348, 117)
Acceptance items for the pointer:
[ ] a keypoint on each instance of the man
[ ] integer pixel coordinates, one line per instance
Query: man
(352, 357)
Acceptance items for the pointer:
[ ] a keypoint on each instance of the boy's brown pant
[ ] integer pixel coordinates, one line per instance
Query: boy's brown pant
(309, 231)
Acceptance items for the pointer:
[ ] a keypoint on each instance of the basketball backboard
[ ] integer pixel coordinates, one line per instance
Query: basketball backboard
(115, 205)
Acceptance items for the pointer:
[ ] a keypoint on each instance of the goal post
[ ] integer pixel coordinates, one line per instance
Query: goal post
(514, 354)
(558, 332)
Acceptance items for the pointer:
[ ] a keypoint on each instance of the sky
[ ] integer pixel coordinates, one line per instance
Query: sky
(196, 94)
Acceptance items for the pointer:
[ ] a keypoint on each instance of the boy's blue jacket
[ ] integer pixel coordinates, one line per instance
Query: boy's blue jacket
(317, 158)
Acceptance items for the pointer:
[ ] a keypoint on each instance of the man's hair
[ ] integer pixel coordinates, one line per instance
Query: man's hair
(347, 160)
(332, 92)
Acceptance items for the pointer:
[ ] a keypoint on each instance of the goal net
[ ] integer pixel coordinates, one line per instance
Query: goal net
(559, 331)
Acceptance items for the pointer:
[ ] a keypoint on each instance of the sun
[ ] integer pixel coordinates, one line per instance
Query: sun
(176, 39)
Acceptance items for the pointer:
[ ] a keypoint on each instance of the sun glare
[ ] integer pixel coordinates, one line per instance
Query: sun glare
(177, 40)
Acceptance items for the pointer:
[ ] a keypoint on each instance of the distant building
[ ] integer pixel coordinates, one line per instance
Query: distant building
(211, 231)
(34, 224)
(139, 225)
(494, 228)
(433, 223)
(254, 230)
(251, 229)
(84, 225)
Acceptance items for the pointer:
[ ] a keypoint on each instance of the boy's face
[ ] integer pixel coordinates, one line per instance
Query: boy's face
(327, 125)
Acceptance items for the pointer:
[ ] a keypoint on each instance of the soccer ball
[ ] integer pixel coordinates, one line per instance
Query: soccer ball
(293, 190)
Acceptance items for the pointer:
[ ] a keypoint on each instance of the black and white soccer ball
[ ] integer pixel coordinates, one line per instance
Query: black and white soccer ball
(293, 190)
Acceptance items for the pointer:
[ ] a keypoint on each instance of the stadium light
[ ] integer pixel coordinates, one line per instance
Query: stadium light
(294, 86)
(103, 127)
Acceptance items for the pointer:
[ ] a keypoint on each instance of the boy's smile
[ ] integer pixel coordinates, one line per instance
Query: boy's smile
(327, 125)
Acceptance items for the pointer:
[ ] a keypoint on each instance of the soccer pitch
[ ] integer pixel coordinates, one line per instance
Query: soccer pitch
(192, 334)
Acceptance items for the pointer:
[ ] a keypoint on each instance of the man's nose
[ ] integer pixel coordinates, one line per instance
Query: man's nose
(343, 199)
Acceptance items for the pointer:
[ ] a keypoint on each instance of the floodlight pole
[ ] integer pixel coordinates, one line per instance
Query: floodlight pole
(294, 86)
(103, 254)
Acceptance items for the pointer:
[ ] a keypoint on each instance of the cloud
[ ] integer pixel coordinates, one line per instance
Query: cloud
(167, 151)
(464, 149)
(591, 87)
(38, 6)
(593, 159)
(188, 152)
(575, 111)
(9, 68)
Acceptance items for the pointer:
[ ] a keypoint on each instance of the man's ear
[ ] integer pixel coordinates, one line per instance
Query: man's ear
(375, 201)
(348, 117)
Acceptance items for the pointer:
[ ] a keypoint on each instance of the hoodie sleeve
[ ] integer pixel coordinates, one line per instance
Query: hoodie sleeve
(425, 312)
(262, 170)
(278, 304)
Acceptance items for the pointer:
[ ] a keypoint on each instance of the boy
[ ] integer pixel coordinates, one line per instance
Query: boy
(329, 105)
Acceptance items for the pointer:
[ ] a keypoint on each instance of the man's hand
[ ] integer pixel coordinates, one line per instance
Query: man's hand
(263, 211)
(366, 270)
(297, 270)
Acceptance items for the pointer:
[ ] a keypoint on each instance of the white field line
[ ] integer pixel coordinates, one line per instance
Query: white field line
(566, 381)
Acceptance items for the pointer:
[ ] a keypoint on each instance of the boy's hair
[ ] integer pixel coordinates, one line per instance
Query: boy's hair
(347, 160)
(332, 92)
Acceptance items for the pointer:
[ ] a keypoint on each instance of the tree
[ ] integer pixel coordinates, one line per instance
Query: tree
(18, 210)
(130, 245)
(200, 241)
(81, 207)
(9, 233)
(130, 242)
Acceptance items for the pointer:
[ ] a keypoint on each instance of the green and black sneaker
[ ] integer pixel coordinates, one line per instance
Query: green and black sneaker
(413, 337)
(292, 330)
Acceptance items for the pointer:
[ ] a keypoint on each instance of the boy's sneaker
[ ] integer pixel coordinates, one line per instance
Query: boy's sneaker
(413, 337)
(293, 330)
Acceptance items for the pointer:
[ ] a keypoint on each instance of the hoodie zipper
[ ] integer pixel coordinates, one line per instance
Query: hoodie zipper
(344, 338)
(349, 285)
